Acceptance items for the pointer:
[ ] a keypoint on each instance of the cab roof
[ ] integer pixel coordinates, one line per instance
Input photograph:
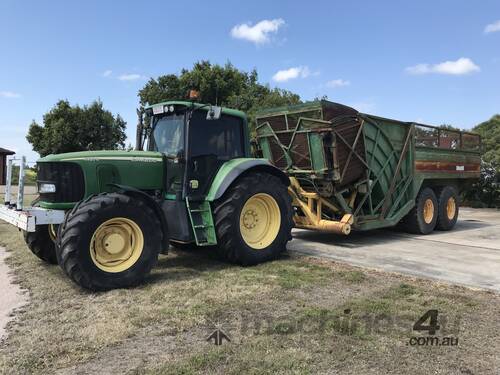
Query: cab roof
(226, 111)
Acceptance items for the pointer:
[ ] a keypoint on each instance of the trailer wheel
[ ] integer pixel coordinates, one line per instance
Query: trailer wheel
(447, 208)
(423, 216)
(253, 219)
(109, 241)
(41, 242)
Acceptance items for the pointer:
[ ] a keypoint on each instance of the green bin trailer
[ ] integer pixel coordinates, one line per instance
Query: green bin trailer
(104, 216)
(353, 170)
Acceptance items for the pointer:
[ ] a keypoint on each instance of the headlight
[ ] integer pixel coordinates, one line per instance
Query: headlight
(47, 188)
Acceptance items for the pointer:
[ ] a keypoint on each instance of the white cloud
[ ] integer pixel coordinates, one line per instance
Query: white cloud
(130, 77)
(292, 73)
(9, 94)
(337, 83)
(459, 67)
(258, 33)
(107, 73)
(492, 27)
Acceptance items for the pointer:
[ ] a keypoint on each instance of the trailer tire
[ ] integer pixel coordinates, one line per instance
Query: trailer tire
(254, 196)
(41, 242)
(447, 208)
(109, 241)
(422, 218)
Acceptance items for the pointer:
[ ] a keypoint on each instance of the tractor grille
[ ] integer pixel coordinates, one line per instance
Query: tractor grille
(68, 178)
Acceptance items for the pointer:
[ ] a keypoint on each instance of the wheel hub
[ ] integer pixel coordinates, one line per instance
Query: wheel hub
(260, 221)
(451, 207)
(428, 211)
(116, 245)
(250, 219)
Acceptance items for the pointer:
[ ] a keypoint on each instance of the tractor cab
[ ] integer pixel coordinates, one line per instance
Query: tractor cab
(195, 141)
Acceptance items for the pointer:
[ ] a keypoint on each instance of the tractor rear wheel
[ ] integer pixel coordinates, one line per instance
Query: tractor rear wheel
(447, 208)
(41, 242)
(423, 216)
(109, 241)
(253, 219)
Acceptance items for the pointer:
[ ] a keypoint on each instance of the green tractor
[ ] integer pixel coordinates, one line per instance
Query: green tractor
(105, 216)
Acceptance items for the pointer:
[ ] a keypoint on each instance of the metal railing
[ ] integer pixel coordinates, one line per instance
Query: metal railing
(438, 137)
(19, 201)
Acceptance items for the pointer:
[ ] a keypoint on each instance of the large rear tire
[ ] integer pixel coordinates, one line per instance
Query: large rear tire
(423, 216)
(109, 241)
(41, 242)
(253, 219)
(447, 208)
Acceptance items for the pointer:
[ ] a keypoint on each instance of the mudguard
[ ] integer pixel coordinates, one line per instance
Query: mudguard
(232, 169)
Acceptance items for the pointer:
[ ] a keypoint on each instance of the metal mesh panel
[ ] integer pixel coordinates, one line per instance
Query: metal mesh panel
(355, 167)
(278, 155)
(299, 152)
(277, 122)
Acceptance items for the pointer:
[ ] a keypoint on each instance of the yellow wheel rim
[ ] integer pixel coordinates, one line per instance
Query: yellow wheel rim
(428, 211)
(116, 245)
(52, 232)
(451, 208)
(260, 221)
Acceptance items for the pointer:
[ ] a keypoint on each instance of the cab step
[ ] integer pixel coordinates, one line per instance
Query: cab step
(200, 215)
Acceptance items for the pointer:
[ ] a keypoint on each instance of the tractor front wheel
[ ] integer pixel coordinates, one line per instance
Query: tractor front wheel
(109, 241)
(41, 242)
(253, 219)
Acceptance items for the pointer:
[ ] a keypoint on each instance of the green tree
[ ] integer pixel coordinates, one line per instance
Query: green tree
(486, 192)
(221, 85)
(68, 128)
(490, 138)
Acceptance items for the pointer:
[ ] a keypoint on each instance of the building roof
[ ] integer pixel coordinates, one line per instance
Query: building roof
(6, 152)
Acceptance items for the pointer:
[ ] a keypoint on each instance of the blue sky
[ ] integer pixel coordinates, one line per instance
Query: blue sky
(430, 61)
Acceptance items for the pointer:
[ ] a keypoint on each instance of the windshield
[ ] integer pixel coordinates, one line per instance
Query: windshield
(168, 135)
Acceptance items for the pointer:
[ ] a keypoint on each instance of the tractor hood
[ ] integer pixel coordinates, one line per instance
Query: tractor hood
(77, 175)
(103, 155)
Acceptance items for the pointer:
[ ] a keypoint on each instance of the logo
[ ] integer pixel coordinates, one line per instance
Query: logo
(431, 316)
(218, 335)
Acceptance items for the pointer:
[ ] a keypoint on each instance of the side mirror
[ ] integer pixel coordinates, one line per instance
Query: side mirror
(214, 113)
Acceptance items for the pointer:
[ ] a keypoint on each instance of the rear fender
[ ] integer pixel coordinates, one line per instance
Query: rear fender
(233, 169)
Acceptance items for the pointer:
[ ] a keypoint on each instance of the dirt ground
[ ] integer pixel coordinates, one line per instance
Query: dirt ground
(12, 297)
(294, 315)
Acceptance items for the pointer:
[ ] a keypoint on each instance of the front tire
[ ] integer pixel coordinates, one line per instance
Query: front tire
(41, 242)
(109, 241)
(253, 220)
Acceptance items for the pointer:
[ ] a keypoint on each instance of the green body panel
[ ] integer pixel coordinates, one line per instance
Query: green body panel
(140, 169)
(228, 170)
(382, 161)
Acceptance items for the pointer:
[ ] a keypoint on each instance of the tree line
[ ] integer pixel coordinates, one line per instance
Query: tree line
(68, 128)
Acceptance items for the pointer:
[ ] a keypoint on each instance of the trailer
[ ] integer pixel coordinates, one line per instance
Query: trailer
(351, 170)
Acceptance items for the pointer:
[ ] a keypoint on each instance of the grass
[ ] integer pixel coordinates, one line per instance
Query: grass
(294, 315)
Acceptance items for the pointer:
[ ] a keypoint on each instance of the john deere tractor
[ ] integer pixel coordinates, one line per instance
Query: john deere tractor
(104, 216)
